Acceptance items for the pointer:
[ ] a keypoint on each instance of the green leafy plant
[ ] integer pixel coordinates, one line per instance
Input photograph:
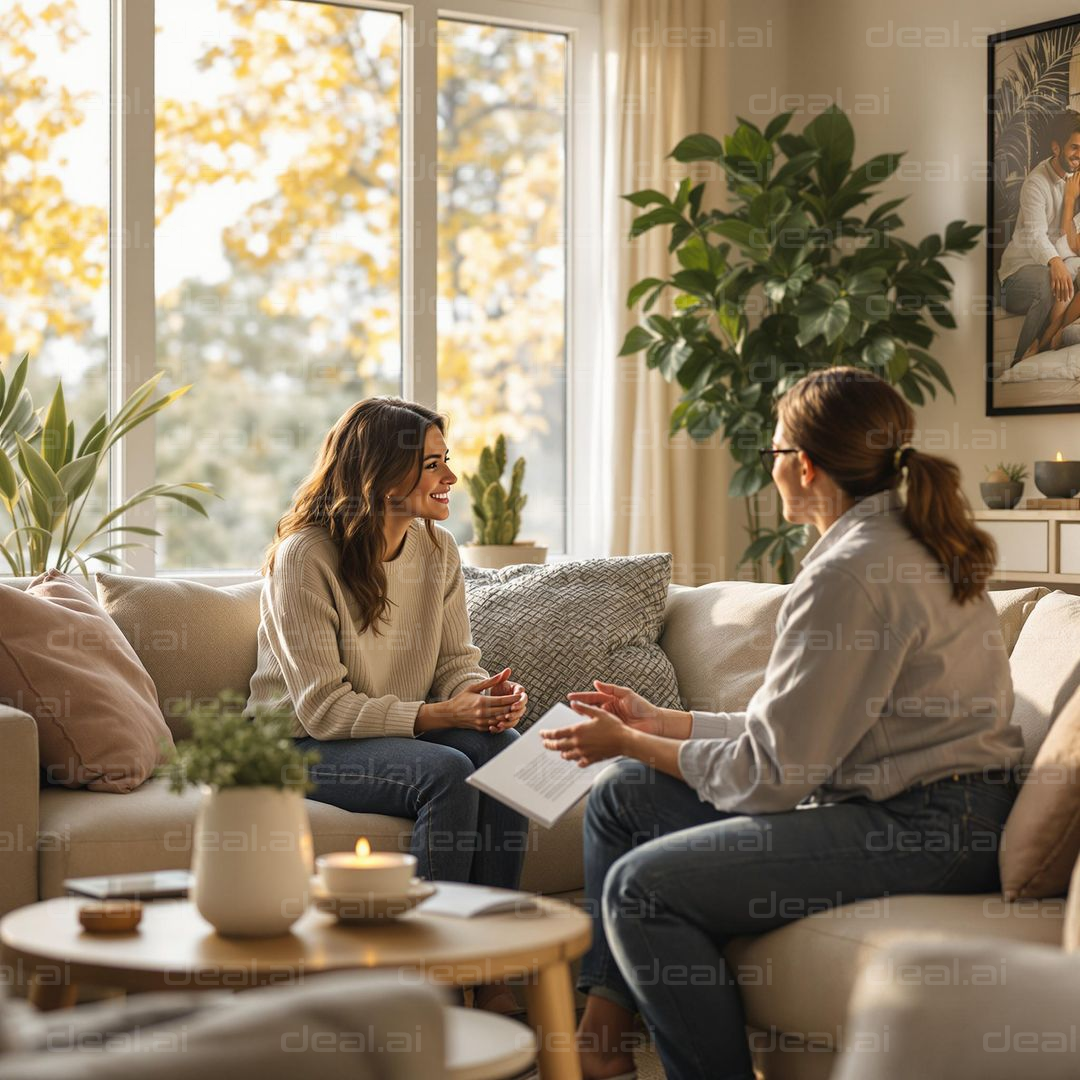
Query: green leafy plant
(1014, 472)
(496, 512)
(47, 473)
(786, 280)
(229, 749)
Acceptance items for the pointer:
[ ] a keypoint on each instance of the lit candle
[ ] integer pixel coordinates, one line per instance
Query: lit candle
(365, 871)
(1058, 479)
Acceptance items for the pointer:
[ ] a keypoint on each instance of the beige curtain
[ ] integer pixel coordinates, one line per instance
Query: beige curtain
(664, 77)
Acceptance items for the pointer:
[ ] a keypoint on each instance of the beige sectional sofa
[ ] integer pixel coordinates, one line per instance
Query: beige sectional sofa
(195, 639)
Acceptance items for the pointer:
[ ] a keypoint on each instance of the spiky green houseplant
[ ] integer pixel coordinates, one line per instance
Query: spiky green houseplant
(786, 279)
(47, 473)
(496, 512)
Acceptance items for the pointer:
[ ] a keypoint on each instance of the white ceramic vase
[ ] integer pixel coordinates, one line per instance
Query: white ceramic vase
(496, 556)
(253, 860)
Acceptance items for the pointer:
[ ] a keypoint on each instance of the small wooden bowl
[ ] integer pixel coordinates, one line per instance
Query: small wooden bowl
(110, 916)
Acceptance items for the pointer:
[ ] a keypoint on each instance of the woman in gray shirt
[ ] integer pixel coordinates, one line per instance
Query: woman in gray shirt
(874, 760)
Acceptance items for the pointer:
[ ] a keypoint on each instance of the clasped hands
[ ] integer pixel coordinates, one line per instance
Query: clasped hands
(492, 705)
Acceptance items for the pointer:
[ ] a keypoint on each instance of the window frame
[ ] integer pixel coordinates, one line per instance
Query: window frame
(132, 340)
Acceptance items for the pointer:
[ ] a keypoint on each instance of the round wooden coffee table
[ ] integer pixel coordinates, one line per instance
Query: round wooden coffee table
(174, 948)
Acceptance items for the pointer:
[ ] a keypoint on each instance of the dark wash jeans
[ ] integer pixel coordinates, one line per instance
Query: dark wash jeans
(459, 834)
(671, 879)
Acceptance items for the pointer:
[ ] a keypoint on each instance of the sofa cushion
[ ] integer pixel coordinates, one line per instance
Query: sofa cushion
(797, 979)
(83, 834)
(65, 662)
(562, 625)
(718, 638)
(1013, 607)
(195, 640)
(1042, 834)
(1045, 668)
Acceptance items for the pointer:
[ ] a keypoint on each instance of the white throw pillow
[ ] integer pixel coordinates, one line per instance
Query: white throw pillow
(1045, 668)
(718, 638)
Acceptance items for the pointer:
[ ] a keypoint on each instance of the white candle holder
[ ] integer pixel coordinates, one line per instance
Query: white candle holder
(345, 873)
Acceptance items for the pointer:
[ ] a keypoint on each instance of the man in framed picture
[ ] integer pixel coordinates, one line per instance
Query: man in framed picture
(1039, 267)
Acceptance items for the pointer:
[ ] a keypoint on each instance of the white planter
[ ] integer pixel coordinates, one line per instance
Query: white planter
(496, 556)
(253, 860)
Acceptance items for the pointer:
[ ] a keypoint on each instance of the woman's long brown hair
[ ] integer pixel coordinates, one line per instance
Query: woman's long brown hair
(852, 424)
(373, 448)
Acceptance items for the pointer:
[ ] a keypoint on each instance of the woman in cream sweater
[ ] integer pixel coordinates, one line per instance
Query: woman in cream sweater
(874, 760)
(364, 635)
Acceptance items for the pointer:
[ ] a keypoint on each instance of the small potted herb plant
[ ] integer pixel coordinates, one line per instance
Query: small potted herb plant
(496, 513)
(1003, 486)
(253, 853)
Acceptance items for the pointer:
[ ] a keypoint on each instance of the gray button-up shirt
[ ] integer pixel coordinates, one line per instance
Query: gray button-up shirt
(878, 680)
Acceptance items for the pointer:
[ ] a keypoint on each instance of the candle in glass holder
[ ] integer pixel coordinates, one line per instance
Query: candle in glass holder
(366, 871)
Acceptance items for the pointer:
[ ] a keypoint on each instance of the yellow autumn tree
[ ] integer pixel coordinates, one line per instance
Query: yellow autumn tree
(53, 244)
(306, 95)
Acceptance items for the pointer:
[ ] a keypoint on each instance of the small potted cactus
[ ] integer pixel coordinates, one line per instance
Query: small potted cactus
(1003, 486)
(496, 513)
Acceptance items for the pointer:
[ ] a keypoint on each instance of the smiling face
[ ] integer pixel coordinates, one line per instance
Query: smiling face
(1068, 156)
(429, 498)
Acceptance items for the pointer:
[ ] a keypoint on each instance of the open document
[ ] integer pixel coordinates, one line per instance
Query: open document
(536, 781)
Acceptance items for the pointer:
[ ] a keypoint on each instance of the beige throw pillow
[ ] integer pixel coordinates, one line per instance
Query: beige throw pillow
(194, 639)
(64, 661)
(718, 638)
(1041, 842)
(1013, 606)
(1045, 668)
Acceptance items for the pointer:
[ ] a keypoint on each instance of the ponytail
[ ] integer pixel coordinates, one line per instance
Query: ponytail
(939, 516)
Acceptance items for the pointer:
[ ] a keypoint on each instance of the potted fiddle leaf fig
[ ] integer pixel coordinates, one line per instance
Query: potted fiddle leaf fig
(47, 473)
(496, 513)
(801, 269)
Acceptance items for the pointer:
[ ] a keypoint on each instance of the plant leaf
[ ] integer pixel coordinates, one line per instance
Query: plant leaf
(637, 338)
(640, 289)
(698, 147)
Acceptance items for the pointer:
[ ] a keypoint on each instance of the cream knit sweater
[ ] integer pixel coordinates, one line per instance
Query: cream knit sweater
(341, 684)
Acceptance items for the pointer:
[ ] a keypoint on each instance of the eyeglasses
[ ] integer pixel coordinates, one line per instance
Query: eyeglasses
(769, 455)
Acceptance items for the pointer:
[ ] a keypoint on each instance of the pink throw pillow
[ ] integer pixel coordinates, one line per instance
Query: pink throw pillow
(64, 661)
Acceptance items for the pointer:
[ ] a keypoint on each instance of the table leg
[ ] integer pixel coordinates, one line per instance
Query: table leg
(47, 996)
(550, 1002)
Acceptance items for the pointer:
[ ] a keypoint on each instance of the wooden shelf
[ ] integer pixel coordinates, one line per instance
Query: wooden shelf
(1035, 546)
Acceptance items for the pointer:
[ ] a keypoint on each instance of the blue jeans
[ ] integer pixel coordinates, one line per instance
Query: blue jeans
(459, 834)
(1027, 292)
(670, 880)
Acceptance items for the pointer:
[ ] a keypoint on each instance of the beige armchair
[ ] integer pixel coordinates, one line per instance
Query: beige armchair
(974, 1007)
(360, 1026)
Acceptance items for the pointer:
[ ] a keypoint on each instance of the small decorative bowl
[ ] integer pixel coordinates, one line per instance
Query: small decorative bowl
(1058, 479)
(1002, 495)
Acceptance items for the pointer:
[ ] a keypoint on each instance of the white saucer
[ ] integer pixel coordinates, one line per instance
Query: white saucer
(369, 906)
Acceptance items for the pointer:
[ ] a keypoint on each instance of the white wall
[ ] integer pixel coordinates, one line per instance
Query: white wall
(919, 72)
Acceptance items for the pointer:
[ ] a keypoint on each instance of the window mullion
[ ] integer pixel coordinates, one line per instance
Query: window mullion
(419, 242)
(131, 254)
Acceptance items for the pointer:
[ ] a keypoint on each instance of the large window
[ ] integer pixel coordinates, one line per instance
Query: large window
(312, 202)
(502, 268)
(277, 250)
(54, 198)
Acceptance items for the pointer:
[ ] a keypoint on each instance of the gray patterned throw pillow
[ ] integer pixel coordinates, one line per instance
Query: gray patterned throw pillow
(562, 625)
